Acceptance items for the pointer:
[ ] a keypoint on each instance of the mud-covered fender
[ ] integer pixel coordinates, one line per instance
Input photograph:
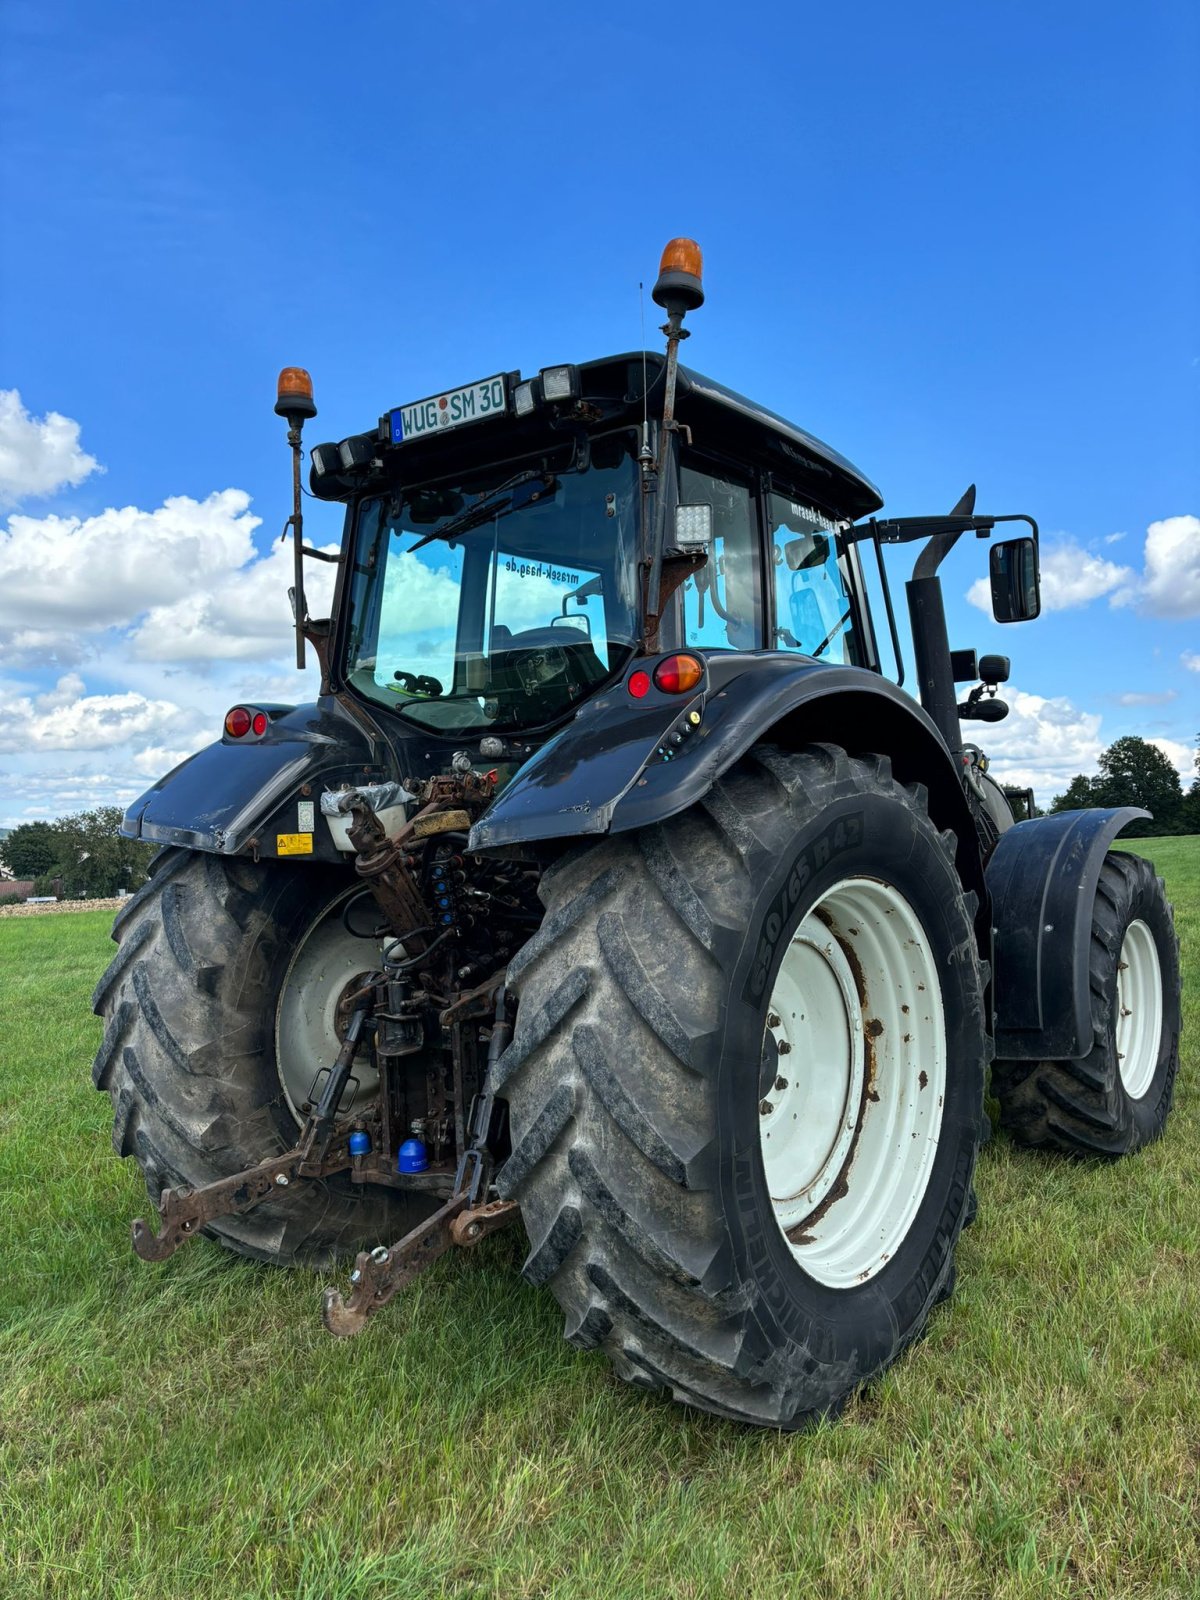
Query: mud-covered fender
(232, 796)
(1042, 879)
(625, 762)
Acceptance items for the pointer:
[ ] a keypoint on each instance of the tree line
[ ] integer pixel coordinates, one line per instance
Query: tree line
(84, 857)
(1136, 773)
(80, 857)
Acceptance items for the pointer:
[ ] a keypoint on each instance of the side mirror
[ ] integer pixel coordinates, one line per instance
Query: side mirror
(1016, 596)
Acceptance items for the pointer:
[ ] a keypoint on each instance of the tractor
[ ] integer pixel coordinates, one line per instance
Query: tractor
(611, 886)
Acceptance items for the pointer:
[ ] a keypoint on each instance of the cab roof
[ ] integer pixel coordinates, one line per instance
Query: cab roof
(614, 393)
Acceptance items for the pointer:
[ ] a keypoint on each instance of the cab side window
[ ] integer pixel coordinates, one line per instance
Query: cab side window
(813, 613)
(721, 604)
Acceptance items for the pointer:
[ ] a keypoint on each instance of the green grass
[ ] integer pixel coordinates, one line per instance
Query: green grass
(189, 1430)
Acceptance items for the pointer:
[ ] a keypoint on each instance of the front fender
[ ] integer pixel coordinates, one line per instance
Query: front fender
(230, 797)
(1042, 879)
(624, 763)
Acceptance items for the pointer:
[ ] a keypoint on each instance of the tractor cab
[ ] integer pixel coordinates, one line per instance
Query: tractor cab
(498, 568)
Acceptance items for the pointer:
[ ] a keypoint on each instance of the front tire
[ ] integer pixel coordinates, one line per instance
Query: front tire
(191, 1004)
(648, 1042)
(1117, 1098)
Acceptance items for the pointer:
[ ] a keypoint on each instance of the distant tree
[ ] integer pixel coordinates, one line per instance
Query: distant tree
(1136, 773)
(91, 859)
(1079, 796)
(1189, 811)
(30, 849)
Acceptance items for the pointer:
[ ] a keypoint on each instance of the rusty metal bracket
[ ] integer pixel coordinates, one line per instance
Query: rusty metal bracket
(469, 1227)
(183, 1212)
(380, 1274)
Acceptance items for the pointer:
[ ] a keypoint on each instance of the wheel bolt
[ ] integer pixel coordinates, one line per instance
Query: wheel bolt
(772, 1019)
(780, 1084)
(765, 1108)
(785, 1048)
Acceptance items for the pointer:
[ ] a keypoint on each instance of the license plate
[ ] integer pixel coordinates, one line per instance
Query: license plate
(472, 403)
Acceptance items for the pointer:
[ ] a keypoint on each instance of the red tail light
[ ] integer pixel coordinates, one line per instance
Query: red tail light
(639, 685)
(238, 722)
(260, 722)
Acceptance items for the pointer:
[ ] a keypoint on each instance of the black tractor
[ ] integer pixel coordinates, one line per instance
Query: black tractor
(611, 885)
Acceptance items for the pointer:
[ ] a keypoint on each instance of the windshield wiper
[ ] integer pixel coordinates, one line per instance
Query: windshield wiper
(483, 510)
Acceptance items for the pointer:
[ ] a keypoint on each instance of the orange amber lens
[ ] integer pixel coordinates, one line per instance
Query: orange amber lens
(678, 674)
(294, 380)
(682, 255)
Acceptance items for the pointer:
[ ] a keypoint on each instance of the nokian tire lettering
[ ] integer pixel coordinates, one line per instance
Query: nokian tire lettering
(188, 1055)
(633, 1088)
(1083, 1107)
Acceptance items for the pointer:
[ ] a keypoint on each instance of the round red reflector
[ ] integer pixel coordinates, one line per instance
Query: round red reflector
(260, 722)
(639, 685)
(237, 722)
(678, 674)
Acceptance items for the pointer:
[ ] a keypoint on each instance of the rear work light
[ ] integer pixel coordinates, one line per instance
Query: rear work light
(678, 674)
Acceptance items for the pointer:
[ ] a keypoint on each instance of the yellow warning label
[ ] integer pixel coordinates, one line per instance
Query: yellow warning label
(293, 844)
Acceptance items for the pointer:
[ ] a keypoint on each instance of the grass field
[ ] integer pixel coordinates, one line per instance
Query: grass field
(189, 1430)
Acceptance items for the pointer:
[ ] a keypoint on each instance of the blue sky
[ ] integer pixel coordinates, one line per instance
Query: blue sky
(960, 243)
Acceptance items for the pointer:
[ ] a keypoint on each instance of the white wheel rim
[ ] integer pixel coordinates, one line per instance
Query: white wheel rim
(1139, 1009)
(326, 960)
(850, 1129)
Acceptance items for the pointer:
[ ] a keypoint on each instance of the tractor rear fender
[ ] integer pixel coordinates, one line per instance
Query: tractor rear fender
(239, 795)
(1042, 878)
(625, 762)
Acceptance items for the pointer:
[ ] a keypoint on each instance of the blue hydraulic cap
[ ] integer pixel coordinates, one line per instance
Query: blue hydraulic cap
(360, 1142)
(413, 1156)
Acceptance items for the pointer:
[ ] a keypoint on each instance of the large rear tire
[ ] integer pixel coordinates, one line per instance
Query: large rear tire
(807, 902)
(1117, 1098)
(192, 1006)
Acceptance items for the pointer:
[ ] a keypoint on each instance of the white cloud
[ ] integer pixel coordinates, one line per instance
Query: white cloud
(1042, 742)
(40, 647)
(67, 718)
(1071, 576)
(1170, 585)
(1113, 538)
(74, 574)
(1191, 660)
(1181, 756)
(1160, 697)
(38, 454)
(155, 762)
(241, 614)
